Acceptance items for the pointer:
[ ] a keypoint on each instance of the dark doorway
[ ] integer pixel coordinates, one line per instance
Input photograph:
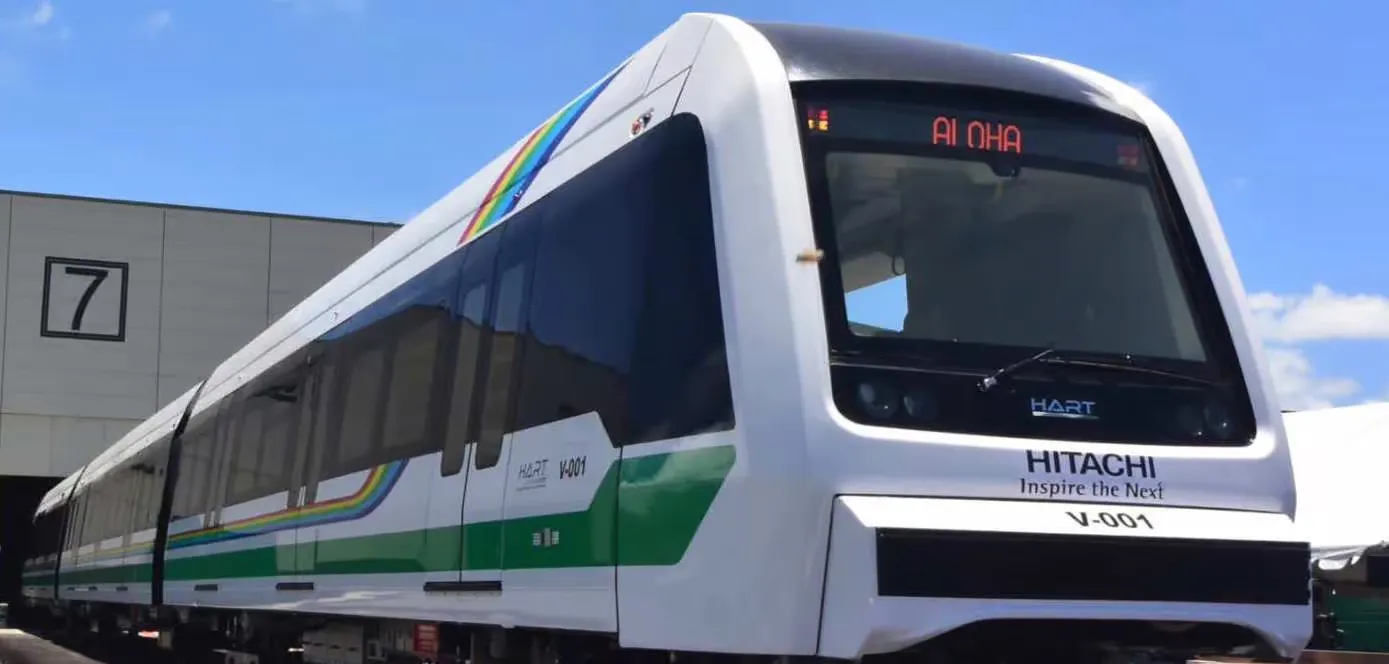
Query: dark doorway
(19, 497)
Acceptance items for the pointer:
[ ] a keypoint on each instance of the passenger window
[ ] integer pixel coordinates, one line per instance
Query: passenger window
(281, 408)
(246, 457)
(199, 454)
(586, 298)
(328, 397)
(360, 413)
(471, 340)
(508, 321)
(625, 315)
(406, 432)
(465, 371)
(500, 368)
(680, 385)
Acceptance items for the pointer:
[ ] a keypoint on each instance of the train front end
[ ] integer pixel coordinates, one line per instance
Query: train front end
(1050, 431)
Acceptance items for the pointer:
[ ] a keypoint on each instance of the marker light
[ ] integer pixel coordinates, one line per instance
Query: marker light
(1218, 420)
(878, 399)
(920, 404)
(1192, 421)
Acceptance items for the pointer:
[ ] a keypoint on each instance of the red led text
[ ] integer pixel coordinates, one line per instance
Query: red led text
(988, 136)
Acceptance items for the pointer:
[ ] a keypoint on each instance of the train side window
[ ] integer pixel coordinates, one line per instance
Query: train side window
(360, 416)
(79, 520)
(131, 479)
(152, 474)
(514, 262)
(183, 479)
(245, 454)
(131, 492)
(413, 369)
(188, 484)
(138, 489)
(91, 515)
(280, 401)
(110, 506)
(680, 384)
(124, 495)
(587, 295)
(206, 466)
(626, 317)
(469, 349)
(96, 523)
(221, 451)
(328, 395)
(119, 481)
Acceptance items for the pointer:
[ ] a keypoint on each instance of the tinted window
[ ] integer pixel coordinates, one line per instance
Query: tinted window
(361, 410)
(625, 314)
(508, 319)
(150, 469)
(587, 297)
(413, 368)
(195, 466)
(323, 420)
(95, 512)
(281, 409)
(469, 347)
(245, 456)
(680, 384)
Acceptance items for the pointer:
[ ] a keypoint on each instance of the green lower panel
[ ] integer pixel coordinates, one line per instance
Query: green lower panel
(1364, 622)
(646, 512)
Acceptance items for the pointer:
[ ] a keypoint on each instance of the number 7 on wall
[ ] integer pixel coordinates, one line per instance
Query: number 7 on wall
(98, 309)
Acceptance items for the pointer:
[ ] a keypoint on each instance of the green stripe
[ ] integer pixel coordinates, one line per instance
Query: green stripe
(656, 502)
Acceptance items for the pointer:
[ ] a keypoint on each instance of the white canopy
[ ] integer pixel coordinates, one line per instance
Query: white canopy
(1341, 463)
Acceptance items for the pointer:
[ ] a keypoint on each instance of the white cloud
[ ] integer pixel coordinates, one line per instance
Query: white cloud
(1142, 86)
(43, 15)
(1320, 316)
(1285, 321)
(1298, 385)
(158, 21)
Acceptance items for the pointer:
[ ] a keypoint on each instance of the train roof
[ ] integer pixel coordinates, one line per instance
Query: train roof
(821, 53)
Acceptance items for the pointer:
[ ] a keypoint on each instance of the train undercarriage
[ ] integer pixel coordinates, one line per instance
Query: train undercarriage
(198, 636)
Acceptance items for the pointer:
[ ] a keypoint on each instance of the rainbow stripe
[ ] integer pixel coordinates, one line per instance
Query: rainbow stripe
(373, 491)
(364, 501)
(533, 154)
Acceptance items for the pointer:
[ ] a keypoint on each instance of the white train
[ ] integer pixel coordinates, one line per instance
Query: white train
(778, 340)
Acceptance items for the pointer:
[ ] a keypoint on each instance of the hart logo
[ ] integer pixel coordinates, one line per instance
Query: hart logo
(1070, 409)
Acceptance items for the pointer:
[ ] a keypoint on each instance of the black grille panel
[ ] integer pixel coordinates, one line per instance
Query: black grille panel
(952, 564)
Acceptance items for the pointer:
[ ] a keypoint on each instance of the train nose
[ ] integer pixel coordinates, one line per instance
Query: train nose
(905, 571)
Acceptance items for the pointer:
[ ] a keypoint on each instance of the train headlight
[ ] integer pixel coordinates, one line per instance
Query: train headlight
(1218, 420)
(878, 399)
(1192, 421)
(920, 404)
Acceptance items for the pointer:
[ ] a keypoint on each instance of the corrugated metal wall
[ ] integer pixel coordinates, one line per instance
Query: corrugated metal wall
(109, 310)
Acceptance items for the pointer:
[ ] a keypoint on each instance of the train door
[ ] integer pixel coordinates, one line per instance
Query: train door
(479, 533)
(461, 355)
(504, 257)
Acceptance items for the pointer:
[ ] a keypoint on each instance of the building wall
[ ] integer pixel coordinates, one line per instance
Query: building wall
(109, 310)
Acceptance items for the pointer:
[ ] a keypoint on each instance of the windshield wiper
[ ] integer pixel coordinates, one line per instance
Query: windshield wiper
(988, 382)
(1050, 356)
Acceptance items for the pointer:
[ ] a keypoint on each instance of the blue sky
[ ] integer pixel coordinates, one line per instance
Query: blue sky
(373, 109)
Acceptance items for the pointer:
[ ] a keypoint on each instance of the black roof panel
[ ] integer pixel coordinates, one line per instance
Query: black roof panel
(819, 53)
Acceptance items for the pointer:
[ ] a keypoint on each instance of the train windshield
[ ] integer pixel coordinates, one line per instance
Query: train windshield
(986, 230)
